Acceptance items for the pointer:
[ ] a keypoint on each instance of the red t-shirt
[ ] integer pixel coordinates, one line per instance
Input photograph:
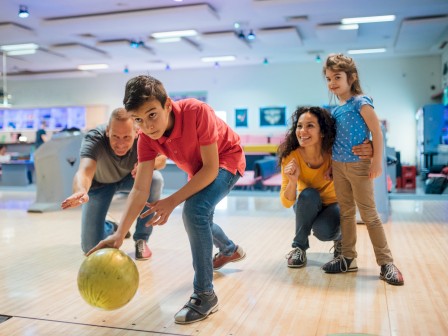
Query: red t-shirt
(195, 125)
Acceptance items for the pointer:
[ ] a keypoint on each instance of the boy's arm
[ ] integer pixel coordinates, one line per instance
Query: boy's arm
(137, 197)
(163, 208)
(160, 162)
(206, 175)
(369, 115)
(134, 205)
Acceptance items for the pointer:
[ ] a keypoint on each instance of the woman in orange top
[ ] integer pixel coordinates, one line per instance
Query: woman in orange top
(305, 159)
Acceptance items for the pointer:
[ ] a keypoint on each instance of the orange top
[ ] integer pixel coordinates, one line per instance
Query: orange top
(308, 178)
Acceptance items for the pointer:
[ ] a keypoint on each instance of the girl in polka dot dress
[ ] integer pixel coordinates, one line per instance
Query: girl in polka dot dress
(353, 177)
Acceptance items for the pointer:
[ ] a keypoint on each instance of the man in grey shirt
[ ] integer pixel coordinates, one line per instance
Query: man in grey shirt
(108, 158)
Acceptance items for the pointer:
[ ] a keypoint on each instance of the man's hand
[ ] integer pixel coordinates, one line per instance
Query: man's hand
(75, 200)
(364, 150)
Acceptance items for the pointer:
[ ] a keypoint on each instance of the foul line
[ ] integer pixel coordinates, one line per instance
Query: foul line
(98, 325)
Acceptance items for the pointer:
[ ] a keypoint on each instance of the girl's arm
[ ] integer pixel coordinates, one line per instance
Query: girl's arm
(369, 115)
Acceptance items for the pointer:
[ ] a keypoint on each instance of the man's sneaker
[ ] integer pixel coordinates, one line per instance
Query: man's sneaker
(112, 221)
(337, 248)
(296, 258)
(340, 264)
(197, 308)
(142, 251)
(219, 260)
(391, 274)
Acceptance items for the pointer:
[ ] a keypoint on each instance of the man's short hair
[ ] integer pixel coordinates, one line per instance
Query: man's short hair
(119, 114)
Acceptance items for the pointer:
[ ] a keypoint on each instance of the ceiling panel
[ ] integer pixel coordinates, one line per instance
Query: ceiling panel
(281, 36)
(122, 48)
(11, 32)
(421, 33)
(175, 49)
(222, 42)
(78, 51)
(287, 31)
(46, 74)
(147, 20)
(332, 34)
(44, 57)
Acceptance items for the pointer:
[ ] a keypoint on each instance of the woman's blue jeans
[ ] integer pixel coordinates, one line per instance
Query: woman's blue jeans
(94, 226)
(203, 232)
(312, 215)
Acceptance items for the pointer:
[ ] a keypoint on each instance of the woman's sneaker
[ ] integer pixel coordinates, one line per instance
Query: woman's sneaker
(296, 258)
(340, 264)
(391, 274)
(197, 308)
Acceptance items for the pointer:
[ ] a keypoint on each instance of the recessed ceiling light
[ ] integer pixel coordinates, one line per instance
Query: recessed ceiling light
(23, 12)
(366, 51)
(218, 59)
(352, 26)
(21, 52)
(369, 19)
(92, 66)
(178, 33)
(168, 40)
(24, 46)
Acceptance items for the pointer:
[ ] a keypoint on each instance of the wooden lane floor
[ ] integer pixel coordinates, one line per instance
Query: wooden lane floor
(41, 256)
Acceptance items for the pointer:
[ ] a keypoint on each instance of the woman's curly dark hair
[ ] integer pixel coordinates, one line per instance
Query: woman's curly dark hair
(327, 129)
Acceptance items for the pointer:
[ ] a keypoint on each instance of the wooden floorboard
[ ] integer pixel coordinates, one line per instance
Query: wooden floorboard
(258, 296)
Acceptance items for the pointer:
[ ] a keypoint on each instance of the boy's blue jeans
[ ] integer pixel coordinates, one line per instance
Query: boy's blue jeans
(203, 232)
(312, 214)
(94, 225)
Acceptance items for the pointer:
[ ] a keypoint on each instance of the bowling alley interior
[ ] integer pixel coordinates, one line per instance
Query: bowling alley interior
(64, 69)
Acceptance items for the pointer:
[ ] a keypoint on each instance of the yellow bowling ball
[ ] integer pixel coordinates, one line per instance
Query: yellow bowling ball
(108, 279)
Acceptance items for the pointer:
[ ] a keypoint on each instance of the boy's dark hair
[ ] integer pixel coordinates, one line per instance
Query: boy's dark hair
(141, 89)
(327, 129)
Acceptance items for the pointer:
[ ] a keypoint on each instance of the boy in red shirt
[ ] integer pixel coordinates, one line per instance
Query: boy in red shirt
(189, 133)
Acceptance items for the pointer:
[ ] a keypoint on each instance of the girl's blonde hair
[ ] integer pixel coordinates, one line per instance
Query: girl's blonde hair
(342, 63)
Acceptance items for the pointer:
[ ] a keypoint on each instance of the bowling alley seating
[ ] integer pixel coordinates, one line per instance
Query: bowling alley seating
(269, 172)
(273, 183)
(248, 180)
(262, 169)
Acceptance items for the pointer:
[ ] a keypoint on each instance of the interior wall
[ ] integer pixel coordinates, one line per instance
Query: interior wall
(398, 87)
(444, 67)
